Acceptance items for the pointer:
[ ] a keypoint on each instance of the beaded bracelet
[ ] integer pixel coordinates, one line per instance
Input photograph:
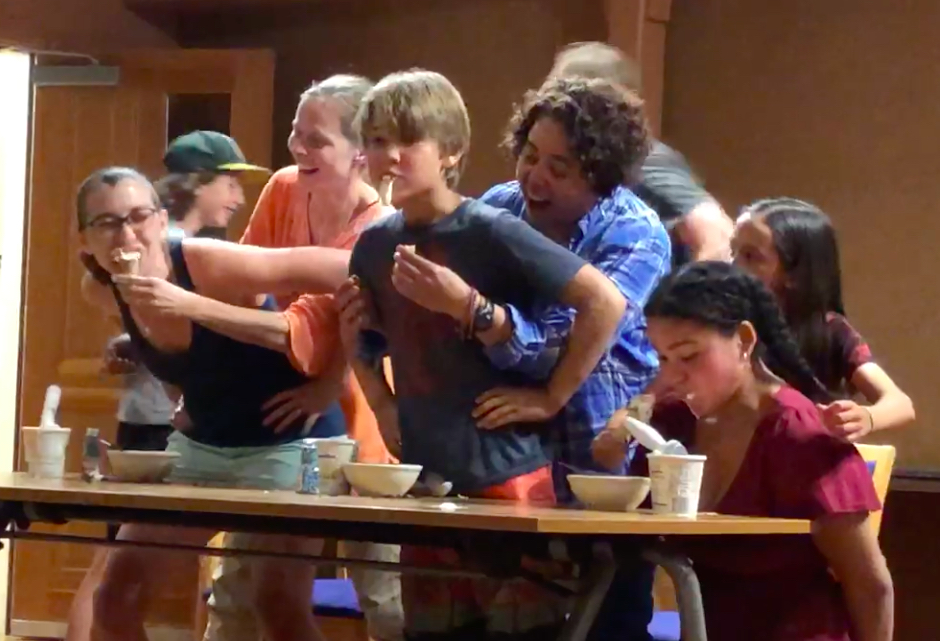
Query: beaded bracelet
(472, 301)
(871, 418)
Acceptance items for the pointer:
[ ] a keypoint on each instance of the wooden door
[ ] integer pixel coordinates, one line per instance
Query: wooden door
(639, 27)
(77, 129)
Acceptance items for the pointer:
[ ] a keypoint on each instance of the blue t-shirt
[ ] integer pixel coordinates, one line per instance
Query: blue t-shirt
(438, 372)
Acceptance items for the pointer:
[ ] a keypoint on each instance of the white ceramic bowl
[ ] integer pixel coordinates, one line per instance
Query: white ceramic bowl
(141, 467)
(373, 479)
(610, 493)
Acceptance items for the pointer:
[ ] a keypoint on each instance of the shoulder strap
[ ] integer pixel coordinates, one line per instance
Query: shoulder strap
(180, 270)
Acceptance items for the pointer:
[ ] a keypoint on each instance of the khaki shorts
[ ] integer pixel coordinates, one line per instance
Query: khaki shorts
(231, 616)
(231, 609)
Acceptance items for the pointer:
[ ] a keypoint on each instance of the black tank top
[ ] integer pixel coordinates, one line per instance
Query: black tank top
(225, 382)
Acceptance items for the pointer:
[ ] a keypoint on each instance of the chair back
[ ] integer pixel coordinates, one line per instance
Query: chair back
(880, 459)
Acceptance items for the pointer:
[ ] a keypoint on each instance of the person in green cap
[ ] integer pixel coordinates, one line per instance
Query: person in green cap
(202, 190)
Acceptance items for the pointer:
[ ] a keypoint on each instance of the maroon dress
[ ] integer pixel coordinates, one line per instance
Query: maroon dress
(776, 588)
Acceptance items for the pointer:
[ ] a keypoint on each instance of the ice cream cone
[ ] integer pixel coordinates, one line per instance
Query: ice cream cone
(128, 262)
(385, 191)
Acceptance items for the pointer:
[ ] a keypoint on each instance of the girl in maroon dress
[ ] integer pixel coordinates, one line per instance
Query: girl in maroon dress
(791, 247)
(723, 344)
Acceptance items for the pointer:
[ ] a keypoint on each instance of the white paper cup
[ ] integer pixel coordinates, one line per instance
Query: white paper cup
(30, 446)
(676, 482)
(45, 450)
(47, 469)
(332, 454)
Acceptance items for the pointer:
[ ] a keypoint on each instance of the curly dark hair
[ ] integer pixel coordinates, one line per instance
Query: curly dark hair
(721, 296)
(605, 123)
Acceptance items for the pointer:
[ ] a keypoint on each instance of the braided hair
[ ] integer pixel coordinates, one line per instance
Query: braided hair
(721, 296)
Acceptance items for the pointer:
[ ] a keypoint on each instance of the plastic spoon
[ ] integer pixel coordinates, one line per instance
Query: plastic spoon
(437, 485)
(50, 407)
(648, 437)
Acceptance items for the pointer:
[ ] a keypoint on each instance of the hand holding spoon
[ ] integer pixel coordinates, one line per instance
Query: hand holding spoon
(647, 436)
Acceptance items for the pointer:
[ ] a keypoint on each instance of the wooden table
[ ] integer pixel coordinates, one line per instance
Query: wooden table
(597, 540)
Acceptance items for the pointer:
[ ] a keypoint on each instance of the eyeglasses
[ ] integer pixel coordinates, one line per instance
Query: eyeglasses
(113, 224)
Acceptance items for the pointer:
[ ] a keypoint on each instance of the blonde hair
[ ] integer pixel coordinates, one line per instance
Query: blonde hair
(597, 60)
(410, 106)
(348, 91)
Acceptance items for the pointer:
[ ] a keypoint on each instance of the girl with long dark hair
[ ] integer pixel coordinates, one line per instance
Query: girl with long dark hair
(791, 246)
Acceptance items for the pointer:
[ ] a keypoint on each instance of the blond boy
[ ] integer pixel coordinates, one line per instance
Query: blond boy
(416, 132)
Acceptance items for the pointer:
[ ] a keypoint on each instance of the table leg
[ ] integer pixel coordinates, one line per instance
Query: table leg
(688, 592)
(588, 601)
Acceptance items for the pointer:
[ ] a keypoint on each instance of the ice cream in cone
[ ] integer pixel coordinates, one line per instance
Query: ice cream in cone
(127, 262)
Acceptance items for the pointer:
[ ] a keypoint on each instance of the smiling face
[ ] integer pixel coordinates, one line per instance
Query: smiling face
(322, 153)
(219, 200)
(700, 365)
(551, 179)
(123, 219)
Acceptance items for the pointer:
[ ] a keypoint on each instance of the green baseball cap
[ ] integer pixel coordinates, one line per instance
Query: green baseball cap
(207, 151)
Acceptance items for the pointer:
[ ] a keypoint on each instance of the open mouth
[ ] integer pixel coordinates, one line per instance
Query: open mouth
(535, 203)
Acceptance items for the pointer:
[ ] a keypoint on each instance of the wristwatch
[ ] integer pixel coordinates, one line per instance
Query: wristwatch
(484, 315)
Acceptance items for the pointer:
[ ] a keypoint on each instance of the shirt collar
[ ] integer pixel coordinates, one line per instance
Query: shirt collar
(602, 211)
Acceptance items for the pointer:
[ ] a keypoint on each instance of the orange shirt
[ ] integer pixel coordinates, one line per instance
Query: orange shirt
(282, 219)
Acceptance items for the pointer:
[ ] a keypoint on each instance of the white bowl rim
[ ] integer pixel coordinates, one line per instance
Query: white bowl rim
(691, 458)
(386, 466)
(145, 454)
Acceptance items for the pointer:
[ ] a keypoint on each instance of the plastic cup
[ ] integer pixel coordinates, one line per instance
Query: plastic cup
(333, 453)
(46, 449)
(676, 481)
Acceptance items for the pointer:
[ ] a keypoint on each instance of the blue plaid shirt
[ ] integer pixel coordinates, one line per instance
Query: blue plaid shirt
(624, 239)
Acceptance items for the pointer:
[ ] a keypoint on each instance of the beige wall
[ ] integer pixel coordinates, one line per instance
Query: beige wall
(83, 26)
(834, 102)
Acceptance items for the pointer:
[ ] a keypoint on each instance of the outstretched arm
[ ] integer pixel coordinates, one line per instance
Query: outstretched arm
(306, 331)
(256, 326)
(226, 271)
